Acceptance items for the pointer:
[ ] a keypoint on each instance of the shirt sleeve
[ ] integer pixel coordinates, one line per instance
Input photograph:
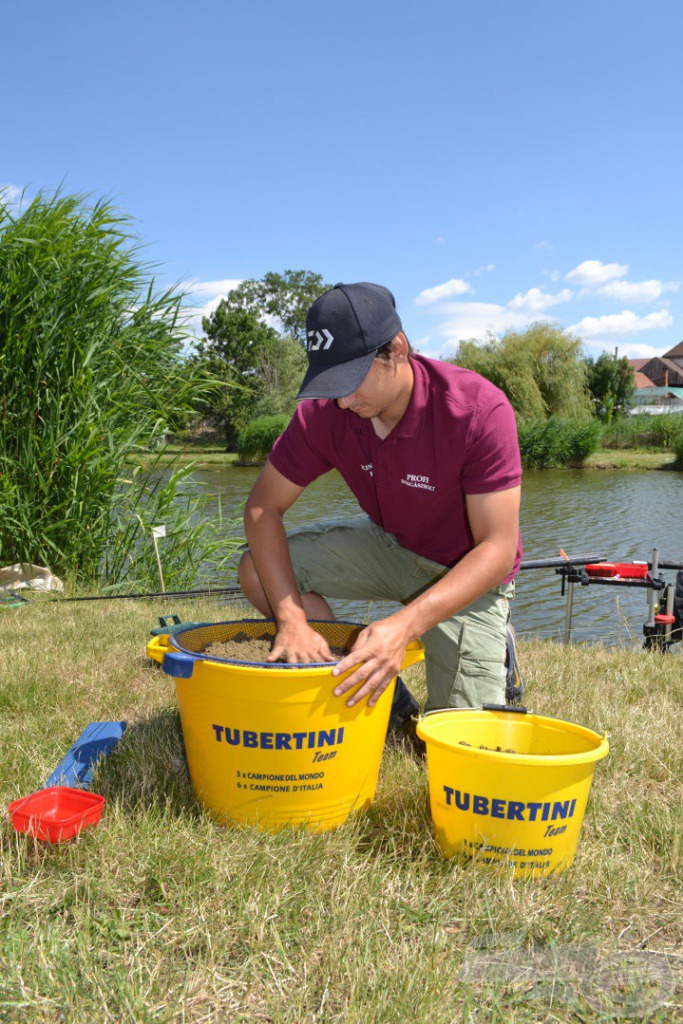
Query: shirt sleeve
(295, 454)
(493, 462)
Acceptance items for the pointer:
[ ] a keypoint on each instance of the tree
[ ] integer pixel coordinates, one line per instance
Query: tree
(260, 370)
(281, 368)
(243, 349)
(231, 355)
(541, 370)
(611, 384)
(284, 298)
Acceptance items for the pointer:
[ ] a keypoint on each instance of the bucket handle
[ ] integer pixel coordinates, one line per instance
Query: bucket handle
(516, 708)
(178, 665)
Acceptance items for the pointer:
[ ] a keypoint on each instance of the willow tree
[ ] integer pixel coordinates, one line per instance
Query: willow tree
(541, 370)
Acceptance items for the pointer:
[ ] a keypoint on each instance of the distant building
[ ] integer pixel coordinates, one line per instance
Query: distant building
(663, 371)
(659, 382)
(657, 400)
(642, 381)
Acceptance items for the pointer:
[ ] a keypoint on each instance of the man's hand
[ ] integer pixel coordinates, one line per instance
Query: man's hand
(381, 649)
(297, 643)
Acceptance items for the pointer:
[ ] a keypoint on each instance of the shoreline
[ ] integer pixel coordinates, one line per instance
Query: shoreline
(210, 456)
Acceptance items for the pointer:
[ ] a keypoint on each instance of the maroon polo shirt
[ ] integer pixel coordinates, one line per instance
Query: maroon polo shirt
(458, 436)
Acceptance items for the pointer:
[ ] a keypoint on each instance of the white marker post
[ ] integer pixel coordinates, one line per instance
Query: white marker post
(159, 531)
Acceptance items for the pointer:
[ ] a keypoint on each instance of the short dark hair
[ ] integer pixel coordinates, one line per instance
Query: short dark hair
(384, 352)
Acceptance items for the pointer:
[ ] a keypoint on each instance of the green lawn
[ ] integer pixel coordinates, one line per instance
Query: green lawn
(214, 454)
(630, 458)
(161, 915)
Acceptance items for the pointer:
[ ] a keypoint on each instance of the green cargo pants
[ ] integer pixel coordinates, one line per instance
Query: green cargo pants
(356, 560)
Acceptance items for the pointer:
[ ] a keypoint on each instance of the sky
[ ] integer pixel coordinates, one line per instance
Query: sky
(492, 163)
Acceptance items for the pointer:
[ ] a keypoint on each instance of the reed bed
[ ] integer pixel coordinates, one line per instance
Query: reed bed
(554, 442)
(91, 375)
(644, 431)
(161, 915)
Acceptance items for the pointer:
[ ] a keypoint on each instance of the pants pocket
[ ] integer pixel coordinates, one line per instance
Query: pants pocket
(480, 675)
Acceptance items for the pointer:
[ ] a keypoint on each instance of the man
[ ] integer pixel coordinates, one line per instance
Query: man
(430, 451)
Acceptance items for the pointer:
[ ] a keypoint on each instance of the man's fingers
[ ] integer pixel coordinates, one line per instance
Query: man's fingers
(349, 661)
(277, 652)
(372, 688)
(295, 655)
(371, 681)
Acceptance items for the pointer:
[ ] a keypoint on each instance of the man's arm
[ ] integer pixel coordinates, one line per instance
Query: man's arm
(494, 522)
(270, 498)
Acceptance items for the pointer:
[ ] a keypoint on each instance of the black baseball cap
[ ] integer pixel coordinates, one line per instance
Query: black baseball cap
(344, 329)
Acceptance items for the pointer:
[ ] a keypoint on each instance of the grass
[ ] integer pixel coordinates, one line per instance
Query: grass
(161, 915)
(627, 458)
(212, 453)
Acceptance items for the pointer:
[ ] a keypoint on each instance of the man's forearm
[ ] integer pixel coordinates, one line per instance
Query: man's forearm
(481, 569)
(268, 545)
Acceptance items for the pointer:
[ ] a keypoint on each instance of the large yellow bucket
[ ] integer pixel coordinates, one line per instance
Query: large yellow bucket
(509, 787)
(270, 745)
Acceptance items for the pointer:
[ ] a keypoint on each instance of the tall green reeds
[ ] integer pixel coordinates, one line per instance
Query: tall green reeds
(91, 372)
(551, 443)
(644, 430)
(678, 447)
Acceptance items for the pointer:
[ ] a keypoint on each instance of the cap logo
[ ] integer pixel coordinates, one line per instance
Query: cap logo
(320, 338)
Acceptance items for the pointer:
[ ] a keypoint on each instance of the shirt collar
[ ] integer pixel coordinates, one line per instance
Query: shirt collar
(411, 422)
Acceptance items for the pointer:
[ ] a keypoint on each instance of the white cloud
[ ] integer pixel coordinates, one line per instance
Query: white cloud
(607, 279)
(637, 291)
(476, 319)
(212, 292)
(535, 300)
(615, 325)
(544, 245)
(220, 288)
(636, 350)
(464, 320)
(11, 196)
(485, 269)
(456, 286)
(594, 273)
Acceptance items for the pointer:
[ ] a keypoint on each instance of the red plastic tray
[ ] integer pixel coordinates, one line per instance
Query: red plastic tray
(624, 570)
(56, 813)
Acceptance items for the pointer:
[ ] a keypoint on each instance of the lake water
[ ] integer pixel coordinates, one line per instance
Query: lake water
(619, 515)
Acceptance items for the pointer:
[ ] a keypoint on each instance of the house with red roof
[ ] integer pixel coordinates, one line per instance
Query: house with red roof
(663, 371)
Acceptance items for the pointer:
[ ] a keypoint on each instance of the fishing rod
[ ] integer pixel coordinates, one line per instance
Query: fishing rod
(236, 592)
(657, 629)
(205, 592)
(552, 563)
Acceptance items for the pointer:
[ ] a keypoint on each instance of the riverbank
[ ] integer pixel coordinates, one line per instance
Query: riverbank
(629, 458)
(172, 917)
(205, 456)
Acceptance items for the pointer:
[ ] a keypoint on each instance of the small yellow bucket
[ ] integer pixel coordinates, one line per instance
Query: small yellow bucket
(270, 744)
(510, 787)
